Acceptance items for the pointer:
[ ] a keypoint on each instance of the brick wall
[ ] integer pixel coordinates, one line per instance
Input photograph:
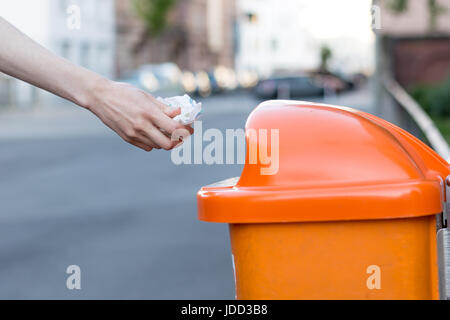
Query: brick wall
(425, 61)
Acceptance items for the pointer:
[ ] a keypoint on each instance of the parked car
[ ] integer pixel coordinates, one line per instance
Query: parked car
(247, 79)
(214, 81)
(203, 84)
(336, 82)
(189, 82)
(288, 87)
(163, 79)
(215, 88)
(225, 78)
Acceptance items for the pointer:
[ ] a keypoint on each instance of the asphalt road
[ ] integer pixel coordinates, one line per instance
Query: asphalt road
(72, 193)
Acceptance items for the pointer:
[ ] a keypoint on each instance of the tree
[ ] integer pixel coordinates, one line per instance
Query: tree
(325, 56)
(400, 6)
(154, 13)
(435, 10)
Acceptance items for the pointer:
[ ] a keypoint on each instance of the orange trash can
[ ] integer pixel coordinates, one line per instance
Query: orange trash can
(349, 211)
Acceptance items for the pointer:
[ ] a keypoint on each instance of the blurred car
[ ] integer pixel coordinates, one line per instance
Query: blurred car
(163, 79)
(189, 82)
(359, 79)
(226, 78)
(203, 84)
(288, 87)
(247, 79)
(346, 79)
(331, 83)
(336, 82)
(200, 83)
(217, 80)
(215, 87)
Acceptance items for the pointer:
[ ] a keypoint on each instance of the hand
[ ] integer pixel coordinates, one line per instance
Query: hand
(137, 116)
(134, 114)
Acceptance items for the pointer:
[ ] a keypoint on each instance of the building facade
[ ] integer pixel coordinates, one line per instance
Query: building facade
(287, 35)
(413, 46)
(199, 36)
(80, 30)
(270, 37)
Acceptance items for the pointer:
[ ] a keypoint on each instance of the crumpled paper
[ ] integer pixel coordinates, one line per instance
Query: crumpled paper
(190, 109)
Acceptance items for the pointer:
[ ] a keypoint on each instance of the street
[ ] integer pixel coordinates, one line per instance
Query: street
(73, 193)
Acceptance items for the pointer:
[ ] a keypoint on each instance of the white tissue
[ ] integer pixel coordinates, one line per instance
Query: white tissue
(190, 109)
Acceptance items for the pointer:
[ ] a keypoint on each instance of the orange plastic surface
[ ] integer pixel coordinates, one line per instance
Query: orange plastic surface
(382, 259)
(335, 164)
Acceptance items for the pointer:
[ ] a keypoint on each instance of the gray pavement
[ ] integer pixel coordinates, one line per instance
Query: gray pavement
(71, 192)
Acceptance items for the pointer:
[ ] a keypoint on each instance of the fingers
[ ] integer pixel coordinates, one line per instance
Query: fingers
(139, 139)
(160, 139)
(155, 130)
(181, 134)
(141, 145)
(151, 133)
(168, 110)
(144, 139)
(165, 123)
(172, 112)
(189, 129)
(139, 118)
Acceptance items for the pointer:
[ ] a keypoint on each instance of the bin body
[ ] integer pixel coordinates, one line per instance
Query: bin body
(350, 213)
(331, 260)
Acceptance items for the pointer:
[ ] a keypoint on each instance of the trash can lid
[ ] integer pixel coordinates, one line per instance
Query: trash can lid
(327, 163)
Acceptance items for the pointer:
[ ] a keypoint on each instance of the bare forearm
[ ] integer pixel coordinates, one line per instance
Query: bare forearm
(133, 114)
(22, 58)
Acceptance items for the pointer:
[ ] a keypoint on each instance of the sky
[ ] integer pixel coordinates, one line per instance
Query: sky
(336, 18)
(344, 25)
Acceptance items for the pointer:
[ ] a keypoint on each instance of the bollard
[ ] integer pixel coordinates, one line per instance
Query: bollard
(351, 213)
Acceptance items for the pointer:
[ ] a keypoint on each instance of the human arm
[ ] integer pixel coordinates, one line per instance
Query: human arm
(133, 114)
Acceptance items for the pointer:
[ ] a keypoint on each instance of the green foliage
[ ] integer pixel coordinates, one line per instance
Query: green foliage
(435, 100)
(154, 13)
(398, 6)
(443, 124)
(435, 10)
(325, 56)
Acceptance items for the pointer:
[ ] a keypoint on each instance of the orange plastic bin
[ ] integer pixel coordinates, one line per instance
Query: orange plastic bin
(350, 213)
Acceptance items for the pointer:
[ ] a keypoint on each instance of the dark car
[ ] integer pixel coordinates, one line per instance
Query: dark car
(215, 88)
(288, 87)
(337, 82)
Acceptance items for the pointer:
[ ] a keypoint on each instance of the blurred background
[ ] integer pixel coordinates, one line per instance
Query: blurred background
(71, 192)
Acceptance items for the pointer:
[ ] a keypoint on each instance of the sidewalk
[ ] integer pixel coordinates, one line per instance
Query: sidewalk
(49, 122)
